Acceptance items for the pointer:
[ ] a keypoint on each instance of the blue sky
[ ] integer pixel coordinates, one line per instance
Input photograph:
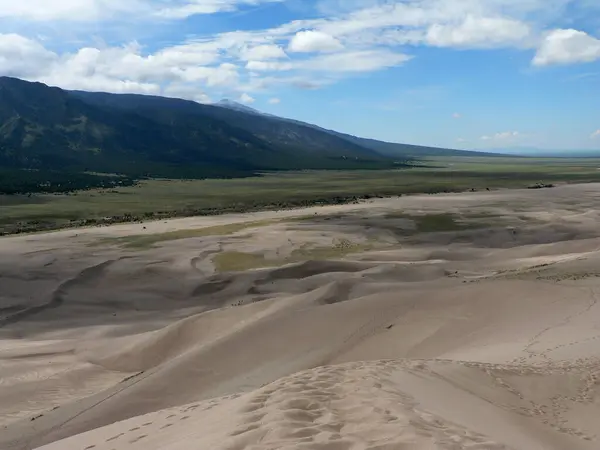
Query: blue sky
(474, 74)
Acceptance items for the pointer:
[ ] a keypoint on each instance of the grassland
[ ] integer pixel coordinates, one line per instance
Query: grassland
(153, 199)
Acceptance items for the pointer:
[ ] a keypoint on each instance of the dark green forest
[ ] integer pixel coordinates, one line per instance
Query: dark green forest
(13, 181)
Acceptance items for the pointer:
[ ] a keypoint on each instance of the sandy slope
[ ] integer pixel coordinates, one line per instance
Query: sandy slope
(366, 405)
(484, 337)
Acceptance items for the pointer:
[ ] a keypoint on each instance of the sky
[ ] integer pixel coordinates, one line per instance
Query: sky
(472, 74)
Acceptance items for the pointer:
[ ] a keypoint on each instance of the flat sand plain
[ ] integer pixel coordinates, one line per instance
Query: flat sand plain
(455, 321)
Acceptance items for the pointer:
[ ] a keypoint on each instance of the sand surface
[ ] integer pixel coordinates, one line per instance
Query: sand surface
(464, 321)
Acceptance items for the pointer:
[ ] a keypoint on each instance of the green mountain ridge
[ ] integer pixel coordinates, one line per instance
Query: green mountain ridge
(48, 128)
(296, 138)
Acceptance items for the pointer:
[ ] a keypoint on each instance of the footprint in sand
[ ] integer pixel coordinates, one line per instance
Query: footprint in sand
(115, 437)
(139, 438)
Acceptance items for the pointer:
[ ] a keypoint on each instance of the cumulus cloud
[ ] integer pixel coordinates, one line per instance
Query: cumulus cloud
(245, 98)
(274, 101)
(22, 57)
(176, 70)
(314, 41)
(595, 134)
(355, 36)
(116, 69)
(567, 47)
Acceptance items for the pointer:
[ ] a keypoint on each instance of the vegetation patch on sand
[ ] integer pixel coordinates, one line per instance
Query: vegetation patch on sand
(145, 241)
(239, 261)
(339, 249)
(440, 222)
(568, 276)
(232, 261)
(431, 223)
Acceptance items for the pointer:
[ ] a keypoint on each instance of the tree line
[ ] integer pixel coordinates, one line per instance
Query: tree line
(15, 181)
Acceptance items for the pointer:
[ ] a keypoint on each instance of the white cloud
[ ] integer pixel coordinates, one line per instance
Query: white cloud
(444, 23)
(503, 136)
(567, 47)
(358, 61)
(188, 54)
(304, 81)
(358, 36)
(456, 116)
(182, 9)
(263, 66)
(88, 10)
(225, 74)
(175, 71)
(314, 41)
(263, 52)
(274, 101)
(187, 91)
(245, 98)
(69, 10)
(595, 134)
(478, 32)
(22, 57)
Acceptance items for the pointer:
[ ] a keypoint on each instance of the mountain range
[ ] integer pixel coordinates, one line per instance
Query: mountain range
(48, 128)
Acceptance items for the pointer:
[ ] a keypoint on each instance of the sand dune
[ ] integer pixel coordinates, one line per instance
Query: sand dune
(483, 335)
(398, 404)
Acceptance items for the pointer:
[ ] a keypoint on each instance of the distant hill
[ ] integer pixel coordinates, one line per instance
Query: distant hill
(548, 153)
(390, 149)
(47, 128)
(396, 150)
